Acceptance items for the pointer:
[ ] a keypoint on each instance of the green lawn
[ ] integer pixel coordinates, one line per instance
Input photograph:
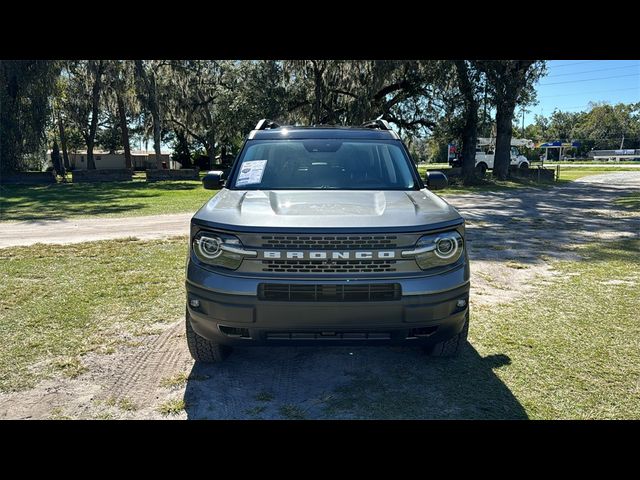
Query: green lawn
(116, 199)
(568, 174)
(569, 349)
(574, 345)
(58, 302)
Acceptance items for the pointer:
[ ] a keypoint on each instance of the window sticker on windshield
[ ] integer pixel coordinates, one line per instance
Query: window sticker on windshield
(251, 172)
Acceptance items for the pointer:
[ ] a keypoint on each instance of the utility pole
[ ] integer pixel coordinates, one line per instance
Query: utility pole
(622, 142)
(522, 122)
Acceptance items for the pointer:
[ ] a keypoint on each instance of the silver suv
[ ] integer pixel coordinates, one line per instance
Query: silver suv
(325, 235)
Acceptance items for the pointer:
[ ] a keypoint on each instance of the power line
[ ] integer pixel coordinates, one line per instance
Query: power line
(592, 79)
(596, 70)
(577, 106)
(572, 63)
(588, 93)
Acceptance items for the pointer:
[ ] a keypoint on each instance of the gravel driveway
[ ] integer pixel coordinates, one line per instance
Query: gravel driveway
(528, 226)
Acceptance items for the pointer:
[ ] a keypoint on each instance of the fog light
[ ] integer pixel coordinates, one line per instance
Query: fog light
(194, 303)
(461, 303)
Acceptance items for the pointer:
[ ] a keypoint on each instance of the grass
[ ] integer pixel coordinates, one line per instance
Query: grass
(630, 202)
(58, 414)
(176, 381)
(60, 302)
(570, 350)
(255, 411)
(172, 407)
(570, 174)
(125, 404)
(291, 412)
(264, 397)
(115, 199)
(70, 367)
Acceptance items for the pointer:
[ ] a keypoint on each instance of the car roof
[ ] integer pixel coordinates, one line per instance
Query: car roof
(329, 132)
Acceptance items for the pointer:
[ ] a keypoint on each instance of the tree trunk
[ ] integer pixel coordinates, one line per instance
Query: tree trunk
(470, 127)
(63, 143)
(504, 130)
(152, 97)
(469, 140)
(157, 129)
(124, 129)
(95, 106)
(317, 105)
(211, 147)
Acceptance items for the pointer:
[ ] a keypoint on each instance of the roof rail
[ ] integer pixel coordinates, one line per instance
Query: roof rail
(378, 123)
(266, 123)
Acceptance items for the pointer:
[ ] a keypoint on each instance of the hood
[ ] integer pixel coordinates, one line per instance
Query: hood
(325, 209)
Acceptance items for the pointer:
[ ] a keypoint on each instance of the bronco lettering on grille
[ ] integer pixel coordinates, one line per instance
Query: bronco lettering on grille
(320, 255)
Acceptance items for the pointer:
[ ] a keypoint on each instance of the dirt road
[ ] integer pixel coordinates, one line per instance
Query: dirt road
(89, 229)
(512, 235)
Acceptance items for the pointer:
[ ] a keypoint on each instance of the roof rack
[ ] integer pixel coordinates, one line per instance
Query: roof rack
(265, 123)
(378, 123)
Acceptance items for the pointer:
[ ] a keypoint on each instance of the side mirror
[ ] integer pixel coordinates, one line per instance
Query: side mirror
(436, 180)
(212, 180)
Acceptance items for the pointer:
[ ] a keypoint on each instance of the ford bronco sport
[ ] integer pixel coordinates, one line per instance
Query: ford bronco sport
(325, 235)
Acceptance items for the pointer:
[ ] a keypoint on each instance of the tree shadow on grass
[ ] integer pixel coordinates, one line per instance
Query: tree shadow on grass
(55, 202)
(350, 382)
(503, 226)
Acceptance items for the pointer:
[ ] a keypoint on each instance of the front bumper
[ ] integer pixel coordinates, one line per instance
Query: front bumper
(232, 313)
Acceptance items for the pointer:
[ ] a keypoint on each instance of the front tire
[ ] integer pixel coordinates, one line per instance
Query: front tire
(453, 346)
(203, 350)
(481, 170)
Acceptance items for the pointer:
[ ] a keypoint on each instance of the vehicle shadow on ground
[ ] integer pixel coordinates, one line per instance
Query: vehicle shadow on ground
(350, 383)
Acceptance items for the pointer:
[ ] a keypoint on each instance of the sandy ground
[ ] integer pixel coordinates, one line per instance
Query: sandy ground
(89, 229)
(511, 238)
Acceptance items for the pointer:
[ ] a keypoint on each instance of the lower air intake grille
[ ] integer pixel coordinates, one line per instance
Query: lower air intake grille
(328, 335)
(377, 292)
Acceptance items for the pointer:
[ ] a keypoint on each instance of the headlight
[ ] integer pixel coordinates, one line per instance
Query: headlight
(219, 250)
(437, 250)
(209, 247)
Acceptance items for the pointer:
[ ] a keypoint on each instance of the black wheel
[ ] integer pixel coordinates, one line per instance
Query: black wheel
(481, 169)
(451, 347)
(524, 166)
(203, 350)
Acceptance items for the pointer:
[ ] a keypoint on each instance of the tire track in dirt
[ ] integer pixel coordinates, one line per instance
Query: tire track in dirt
(138, 375)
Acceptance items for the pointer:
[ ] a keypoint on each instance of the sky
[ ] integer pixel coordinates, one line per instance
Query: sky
(571, 84)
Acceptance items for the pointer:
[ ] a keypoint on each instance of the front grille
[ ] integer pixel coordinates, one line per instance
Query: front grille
(330, 242)
(323, 266)
(328, 335)
(282, 292)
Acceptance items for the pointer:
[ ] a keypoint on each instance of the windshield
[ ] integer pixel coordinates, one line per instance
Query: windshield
(324, 164)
